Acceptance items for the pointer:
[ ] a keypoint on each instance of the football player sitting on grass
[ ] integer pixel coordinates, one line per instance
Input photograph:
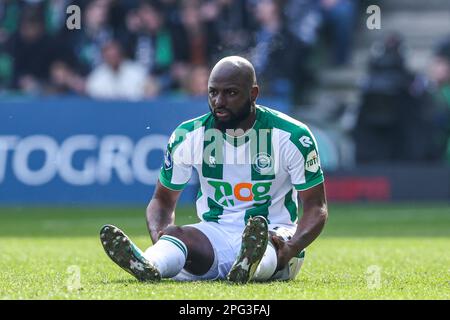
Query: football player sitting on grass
(255, 166)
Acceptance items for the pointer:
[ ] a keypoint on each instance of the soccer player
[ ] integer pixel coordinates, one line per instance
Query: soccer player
(255, 166)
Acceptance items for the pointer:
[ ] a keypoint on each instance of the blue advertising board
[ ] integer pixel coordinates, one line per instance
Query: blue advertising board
(76, 151)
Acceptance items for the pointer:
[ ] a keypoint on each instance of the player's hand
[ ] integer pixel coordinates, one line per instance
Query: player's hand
(285, 251)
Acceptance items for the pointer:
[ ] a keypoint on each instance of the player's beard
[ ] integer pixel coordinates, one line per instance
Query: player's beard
(235, 118)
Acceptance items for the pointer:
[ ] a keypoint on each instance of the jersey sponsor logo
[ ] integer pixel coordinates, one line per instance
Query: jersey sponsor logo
(306, 141)
(168, 162)
(225, 193)
(262, 163)
(312, 162)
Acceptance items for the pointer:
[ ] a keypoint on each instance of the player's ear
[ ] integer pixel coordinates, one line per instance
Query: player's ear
(254, 93)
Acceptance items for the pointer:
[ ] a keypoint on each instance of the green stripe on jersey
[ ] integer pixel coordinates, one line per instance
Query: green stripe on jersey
(237, 141)
(301, 137)
(318, 180)
(199, 194)
(212, 164)
(215, 211)
(290, 206)
(178, 136)
(258, 210)
(166, 183)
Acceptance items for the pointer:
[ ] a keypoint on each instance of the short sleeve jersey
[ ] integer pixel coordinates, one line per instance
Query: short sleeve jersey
(256, 173)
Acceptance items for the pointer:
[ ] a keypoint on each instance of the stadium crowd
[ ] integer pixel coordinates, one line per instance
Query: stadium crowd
(135, 49)
(138, 49)
(405, 114)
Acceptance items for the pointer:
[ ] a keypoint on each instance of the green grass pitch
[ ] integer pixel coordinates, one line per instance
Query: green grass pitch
(398, 251)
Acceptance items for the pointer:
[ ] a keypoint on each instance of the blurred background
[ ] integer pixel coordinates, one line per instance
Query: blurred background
(85, 114)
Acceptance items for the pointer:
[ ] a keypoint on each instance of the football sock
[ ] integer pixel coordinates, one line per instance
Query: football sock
(168, 255)
(268, 264)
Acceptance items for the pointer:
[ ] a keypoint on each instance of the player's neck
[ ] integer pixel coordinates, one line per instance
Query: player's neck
(241, 127)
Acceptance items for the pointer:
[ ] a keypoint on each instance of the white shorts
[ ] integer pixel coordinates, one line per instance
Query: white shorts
(226, 242)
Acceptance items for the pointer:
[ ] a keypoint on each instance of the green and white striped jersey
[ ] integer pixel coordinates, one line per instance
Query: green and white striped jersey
(256, 173)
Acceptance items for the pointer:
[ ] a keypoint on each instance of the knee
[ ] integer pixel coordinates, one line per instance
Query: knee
(174, 231)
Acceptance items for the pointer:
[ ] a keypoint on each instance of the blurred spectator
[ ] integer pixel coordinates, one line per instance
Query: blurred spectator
(118, 12)
(117, 78)
(231, 20)
(6, 69)
(9, 17)
(403, 117)
(85, 45)
(170, 9)
(31, 52)
(64, 81)
(150, 42)
(303, 20)
(387, 107)
(439, 90)
(195, 81)
(339, 18)
(198, 38)
(55, 15)
(195, 41)
(275, 54)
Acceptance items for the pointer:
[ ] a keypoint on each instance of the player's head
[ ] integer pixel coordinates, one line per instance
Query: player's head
(112, 53)
(232, 91)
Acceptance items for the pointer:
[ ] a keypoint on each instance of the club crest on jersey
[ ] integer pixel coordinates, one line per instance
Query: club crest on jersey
(262, 163)
(168, 162)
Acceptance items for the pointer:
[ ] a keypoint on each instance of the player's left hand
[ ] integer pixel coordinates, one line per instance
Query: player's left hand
(285, 251)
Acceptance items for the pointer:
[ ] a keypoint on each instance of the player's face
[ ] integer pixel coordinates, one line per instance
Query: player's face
(229, 100)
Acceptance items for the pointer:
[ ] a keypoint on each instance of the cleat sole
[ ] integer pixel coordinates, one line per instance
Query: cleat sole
(120, 249)
(254, 243)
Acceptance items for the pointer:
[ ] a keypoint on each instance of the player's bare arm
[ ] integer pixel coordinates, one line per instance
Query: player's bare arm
(161, 210)
(309, 227)
(231, 240)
